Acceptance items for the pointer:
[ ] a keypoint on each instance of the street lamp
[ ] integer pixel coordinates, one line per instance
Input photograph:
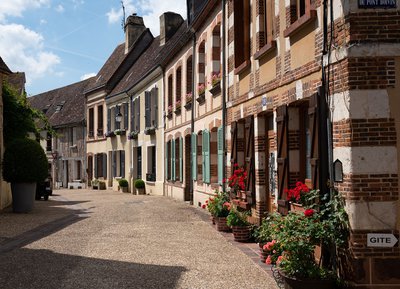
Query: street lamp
(118, 117)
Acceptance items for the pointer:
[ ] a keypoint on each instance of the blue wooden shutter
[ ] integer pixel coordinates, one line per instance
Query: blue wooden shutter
(206, 156)
(126, 115)
(180, 159)
(173, 156)
(108, 119)
(104, 160)
(166, 161)
(220, 146)
(122, 159)
(194, 156)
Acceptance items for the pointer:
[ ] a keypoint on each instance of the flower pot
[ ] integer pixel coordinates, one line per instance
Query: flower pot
(293, 283)
(124, 189)
(140, 191)
(241, 233)
(220, 222)
(23, 197)
(297, 208)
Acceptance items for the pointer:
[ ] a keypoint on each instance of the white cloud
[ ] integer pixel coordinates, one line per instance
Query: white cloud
(88, 75)
(23, 50)
(16, 7)
(59, 8)
(150, 11)
(43, 21)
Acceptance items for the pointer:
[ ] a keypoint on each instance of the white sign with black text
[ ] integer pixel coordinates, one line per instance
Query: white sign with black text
(381, 240)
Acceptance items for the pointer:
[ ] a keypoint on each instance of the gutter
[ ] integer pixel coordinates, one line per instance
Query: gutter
(223, 91)
(192, 112)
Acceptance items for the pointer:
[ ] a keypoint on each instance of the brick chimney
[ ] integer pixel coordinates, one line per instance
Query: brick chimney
(134, 27)
(169, 24)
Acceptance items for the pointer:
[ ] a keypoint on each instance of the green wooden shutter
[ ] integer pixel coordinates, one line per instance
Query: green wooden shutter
(95, 166)
(180, 159)
(166, 161)
(206, 156)
(194, 156)
(104, 165)
(173, 160)
(220, 155)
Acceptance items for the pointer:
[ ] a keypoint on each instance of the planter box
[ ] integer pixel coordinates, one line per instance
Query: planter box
(221, 225)
(216, 89)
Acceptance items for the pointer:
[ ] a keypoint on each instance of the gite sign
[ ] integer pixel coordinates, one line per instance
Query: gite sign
(381, 240)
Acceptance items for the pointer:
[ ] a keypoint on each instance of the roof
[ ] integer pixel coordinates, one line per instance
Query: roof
(153, 57)
(17, 81)
(63, 106)
(3, 67)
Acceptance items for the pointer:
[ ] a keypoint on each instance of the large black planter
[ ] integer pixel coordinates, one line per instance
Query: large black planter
(23, 197)
(292, 283)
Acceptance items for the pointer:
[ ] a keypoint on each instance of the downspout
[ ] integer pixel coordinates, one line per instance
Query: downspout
(223, 94)
(192, 121)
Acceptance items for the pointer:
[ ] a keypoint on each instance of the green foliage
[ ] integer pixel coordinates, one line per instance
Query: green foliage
(237, 218)
(139, 184)
(19, 118)
(123, 183)
(24, 161)
(219, 205)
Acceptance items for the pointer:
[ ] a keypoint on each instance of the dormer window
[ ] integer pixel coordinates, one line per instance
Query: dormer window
(60, 106)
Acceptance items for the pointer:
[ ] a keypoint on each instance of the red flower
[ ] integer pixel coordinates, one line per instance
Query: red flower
(268, 260)
(309, 212)
(203, 206)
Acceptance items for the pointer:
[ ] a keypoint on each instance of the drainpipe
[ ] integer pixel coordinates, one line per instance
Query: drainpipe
(192, 121)
(223, 94)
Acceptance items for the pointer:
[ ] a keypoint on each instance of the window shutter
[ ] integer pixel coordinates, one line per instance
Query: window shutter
(108, 119)
(250, 163)
(114, 163)
(220, 146)
(173, 160)
(206, 149)
(122, 159)
(166, 162)
(154, 111)
(147, 109)
(313, 118)
(234, 143)
(194, 156)
(137, 114)
(180, 159)
(282, 157)
(117, 125)
(104, 159)
(95, 166)
(126, 115)
(133, 114)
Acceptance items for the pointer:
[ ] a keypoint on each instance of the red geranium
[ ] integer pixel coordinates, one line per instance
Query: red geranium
(238, 179)
(309, 212)
(297, 194)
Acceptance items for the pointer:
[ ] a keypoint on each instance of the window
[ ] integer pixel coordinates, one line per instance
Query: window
(216, 52)
(139, 162)
(49, 147)
(72, 136)
(91, 122)
(265, 34)
(151, 108)
(189, 79)
(100, 165)
(241, 34)
(178, 87)
(170, 91)
(117, 110)
(78, 174)
(90, 167)
(125, 107)
(298, 14)
(100, 129)
(201, 68)
(118, 163)
(151, 164)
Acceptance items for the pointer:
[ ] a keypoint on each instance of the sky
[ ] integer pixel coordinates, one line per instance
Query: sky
(59, 42)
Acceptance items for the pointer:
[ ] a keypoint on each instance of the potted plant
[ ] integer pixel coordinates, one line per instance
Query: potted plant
(95, 184)
(140, 187)
(237, 182)
(300, 197)
(241, 228)
(219, 208)
(123, 184)
(24, 164)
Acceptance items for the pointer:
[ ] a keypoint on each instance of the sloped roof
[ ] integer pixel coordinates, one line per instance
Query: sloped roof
(154, 56)
(17, 81)
(3, 67)
(69, 100)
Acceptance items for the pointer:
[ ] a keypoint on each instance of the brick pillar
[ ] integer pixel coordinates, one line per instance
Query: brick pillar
(261, 165)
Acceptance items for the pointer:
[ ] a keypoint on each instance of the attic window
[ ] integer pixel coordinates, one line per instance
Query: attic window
(60, 106)
(44, 110)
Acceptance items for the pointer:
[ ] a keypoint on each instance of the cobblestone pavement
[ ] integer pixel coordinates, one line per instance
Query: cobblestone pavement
(104, 239)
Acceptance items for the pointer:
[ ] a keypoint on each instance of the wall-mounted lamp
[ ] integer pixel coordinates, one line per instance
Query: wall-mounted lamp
(337, 171)
(118, 117)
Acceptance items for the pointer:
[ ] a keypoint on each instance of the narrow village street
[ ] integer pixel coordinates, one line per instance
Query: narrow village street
(105, 239)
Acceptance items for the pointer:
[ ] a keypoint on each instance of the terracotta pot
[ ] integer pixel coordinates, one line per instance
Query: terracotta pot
(297, 208)
(241, 233)
(220, 222)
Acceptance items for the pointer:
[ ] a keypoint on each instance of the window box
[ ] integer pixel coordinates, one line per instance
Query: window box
(150, 177)
(133, 135)
(216, 89)
(109, 134)
(120, 131)
(188, 105)
(178, 111)
(201, 98)
(150, 130)
(91, 134)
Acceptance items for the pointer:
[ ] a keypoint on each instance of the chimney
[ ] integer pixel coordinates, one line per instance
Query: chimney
(169, 24)
(134, 27)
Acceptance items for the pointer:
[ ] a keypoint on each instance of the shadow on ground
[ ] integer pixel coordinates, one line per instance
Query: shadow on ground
(31, 269)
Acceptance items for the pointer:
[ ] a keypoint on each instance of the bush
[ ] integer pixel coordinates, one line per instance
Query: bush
(237, 218)
(24, 162)
(219, 205)
(139, 184)
(123, 183)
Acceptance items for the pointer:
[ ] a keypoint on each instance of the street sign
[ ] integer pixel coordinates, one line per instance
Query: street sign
(377, 4)
(381, 240)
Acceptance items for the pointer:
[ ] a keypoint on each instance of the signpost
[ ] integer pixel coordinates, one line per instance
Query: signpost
(381, 240)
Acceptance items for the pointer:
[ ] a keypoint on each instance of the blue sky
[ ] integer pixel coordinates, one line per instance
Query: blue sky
(59, 42)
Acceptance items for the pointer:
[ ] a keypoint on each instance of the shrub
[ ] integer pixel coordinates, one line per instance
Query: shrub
(219, 205)
(24, 162)
(139, 184)
(237, 218)
(123, 183)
